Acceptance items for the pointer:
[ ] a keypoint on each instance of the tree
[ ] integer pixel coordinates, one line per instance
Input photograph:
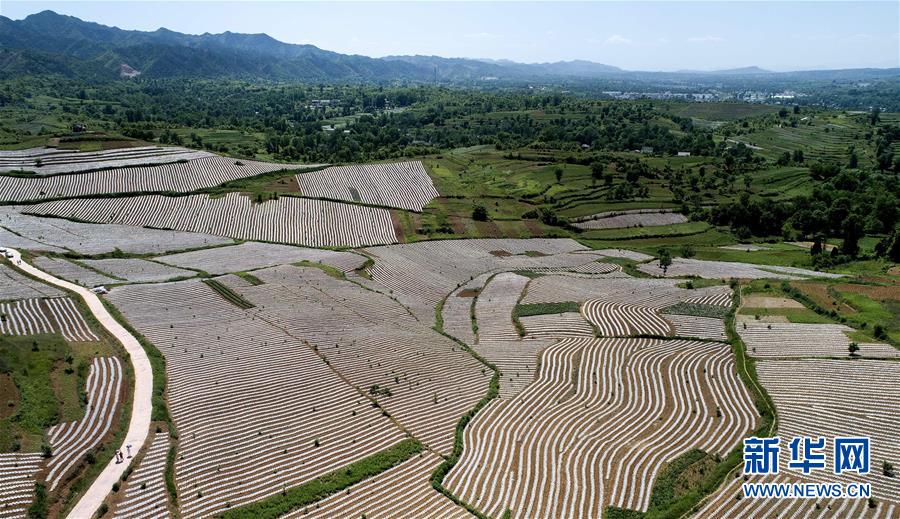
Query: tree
(852, 234)
(597, 169)
(665, 260)
(888, 470)
(854, 159)
(798, 156)
(875, 116)
(816, 248)
(853, 348)
(479, 213)
(559, 173)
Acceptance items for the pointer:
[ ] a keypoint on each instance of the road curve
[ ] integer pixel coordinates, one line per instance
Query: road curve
(141, 407)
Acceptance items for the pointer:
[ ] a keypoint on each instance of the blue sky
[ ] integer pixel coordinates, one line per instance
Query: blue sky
(632, 35)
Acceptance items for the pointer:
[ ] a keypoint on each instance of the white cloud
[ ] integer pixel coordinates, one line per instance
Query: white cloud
(617, 39)
(706, 39)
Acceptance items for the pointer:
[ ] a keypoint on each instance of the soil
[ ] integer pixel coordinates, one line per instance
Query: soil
(501, 253)
(819, 293)
(468, 293)
(770, 302)
(872, 292)
(9, 396)
(398, 226)
(534, 227)
(488, 229)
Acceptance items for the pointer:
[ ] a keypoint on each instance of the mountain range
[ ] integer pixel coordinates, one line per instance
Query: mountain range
(51, 43)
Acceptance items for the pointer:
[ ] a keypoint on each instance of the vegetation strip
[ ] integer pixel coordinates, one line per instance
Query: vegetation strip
(323, 486)
(228, 294)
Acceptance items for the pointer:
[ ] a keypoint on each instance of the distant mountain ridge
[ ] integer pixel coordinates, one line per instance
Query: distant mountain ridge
(47, 43)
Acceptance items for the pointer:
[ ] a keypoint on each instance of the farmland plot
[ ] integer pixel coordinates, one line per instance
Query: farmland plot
(602, 419)
(71, 271)
(14, 285)
(255, 255)
(171, 178)
(402, 491)
(566, 324)
(257, 410)
(498, 339)
(631, 306)
(404, 185)
(291, 220)
(55, 161)
(145, 495)
(137, 270)
(635, 218)
(815, 397)
(18, 472)
(457, 309)
(70, 441)
(421, 274)
(55, 315)
(727, 269)
(725, 503)
(422, 379)
(56, 234)
(624, 254)
(805, 340)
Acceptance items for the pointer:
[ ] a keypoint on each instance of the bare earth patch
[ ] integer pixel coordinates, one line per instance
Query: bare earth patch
(872, 292)
(770, 302)
(9, 396)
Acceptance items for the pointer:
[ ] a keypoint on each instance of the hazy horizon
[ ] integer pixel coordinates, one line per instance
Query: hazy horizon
(652, 36)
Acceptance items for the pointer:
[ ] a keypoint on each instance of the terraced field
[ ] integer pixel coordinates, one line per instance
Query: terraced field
(811, 396)
(254, 255)
(57, 235)
(180, 177)
(404, 185)
(71, 441)
(290, 220)
(248, 426)
(632, 218)
(586, 434)
(52, 161)
(52, 315)
(729, 269)
(18, 473)
(145, 494)
(806, 340)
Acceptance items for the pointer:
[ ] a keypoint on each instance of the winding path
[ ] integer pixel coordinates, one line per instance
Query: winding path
(139, 425)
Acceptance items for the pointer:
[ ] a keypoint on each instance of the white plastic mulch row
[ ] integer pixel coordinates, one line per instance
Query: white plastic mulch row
(137, 270)
(597, 426)
(17, 480)
(181, 177)
(292, 220)
(51, 161)
(145, 494)
(72, 271)
(421, 274)
(405, 185)
(71, 441)
(402, 491)
(632, 220)
(56, 235)
(259, 408)
(729, 269)
(14, 285)
(255, 255)
(54, 315)
(726, 503)
(805, 340)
